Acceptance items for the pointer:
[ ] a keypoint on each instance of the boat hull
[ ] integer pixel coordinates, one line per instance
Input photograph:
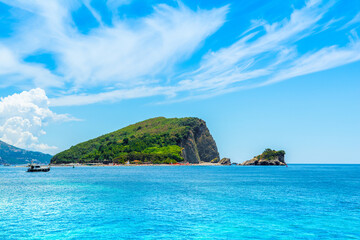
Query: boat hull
(39, 170)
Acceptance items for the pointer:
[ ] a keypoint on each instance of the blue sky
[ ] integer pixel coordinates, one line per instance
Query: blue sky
(278, 74)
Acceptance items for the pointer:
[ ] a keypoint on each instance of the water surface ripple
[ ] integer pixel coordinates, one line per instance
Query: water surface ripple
(183, 202)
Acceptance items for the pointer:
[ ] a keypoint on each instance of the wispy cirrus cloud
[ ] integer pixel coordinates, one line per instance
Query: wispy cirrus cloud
(138, 57)
(129, 53)
(326, 58)
(128, 57)
(14, 71)
(354, 21)
(275, 41)
(241, 66)
(266, 53)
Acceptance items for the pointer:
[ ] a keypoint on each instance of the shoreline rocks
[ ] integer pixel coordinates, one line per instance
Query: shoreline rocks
(225, 161)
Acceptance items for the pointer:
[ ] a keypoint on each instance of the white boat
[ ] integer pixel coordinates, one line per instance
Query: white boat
(38, 168)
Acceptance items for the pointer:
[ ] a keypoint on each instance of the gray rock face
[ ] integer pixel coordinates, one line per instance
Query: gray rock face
(199, 146)
(225, 161)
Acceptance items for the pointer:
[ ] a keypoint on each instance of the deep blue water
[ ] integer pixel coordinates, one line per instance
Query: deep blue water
(183, 202)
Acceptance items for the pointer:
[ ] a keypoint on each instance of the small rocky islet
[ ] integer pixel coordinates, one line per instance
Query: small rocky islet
(158, 141)
(268, 157)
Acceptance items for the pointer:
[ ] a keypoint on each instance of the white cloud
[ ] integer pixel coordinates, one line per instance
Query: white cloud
(237, 67)
(353, 21)
(112, 96)
(23, 117)
(15, 72)
(237, 62)
(321, 60)
(129, 53)
(242, 65)
(124, 56)
(114, 4)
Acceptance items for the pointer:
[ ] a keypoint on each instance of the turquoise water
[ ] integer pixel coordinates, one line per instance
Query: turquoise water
(183, 202)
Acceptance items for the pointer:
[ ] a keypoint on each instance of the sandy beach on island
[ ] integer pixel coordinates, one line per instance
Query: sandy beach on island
(126, 165)
(132, 165)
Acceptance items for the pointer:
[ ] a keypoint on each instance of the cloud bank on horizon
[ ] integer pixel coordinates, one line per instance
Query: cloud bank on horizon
(82, 52)
(23, 116)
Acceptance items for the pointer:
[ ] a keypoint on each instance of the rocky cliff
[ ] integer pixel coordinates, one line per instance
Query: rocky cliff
(156, 140)
(268, 157)
(199, 146)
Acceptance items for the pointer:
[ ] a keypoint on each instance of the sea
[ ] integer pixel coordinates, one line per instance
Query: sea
(181, 202)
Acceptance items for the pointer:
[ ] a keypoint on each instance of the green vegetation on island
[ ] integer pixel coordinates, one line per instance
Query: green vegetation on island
(157, 141)
(270, 154)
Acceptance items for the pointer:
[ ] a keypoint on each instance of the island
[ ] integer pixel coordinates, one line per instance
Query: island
(268, 157)
(154, 141)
